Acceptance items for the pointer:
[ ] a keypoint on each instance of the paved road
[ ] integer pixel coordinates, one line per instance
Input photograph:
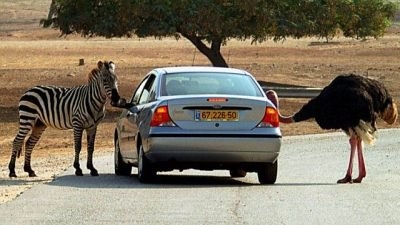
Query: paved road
(305, 192)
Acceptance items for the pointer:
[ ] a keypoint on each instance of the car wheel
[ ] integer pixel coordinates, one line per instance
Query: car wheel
(121, 168)
(145, 171)
(237, 173)
(267, 173)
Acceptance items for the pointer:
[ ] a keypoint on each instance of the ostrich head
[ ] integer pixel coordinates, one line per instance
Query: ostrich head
(389, 114)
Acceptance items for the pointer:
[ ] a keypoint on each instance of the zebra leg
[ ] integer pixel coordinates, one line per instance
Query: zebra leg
(91, 136)
(78, 145)
(37, 132)
(24, 128)
(17, 148)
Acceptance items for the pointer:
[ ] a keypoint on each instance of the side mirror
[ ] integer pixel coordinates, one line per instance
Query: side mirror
(121, 103)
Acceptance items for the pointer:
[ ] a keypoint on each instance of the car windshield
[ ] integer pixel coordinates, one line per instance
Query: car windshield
(209, 83)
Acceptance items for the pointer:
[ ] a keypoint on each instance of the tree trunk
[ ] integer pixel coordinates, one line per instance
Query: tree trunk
(213, 53)
(216, 59)
(52, 10)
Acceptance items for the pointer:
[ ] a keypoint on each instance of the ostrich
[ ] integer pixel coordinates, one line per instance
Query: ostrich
(351, 103)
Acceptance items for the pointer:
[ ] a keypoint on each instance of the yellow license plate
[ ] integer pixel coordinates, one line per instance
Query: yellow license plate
(216, 115)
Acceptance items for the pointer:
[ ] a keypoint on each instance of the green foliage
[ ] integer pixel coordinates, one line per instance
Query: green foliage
(214, 22)
(365, 18)
(89, 18)
(324, 14)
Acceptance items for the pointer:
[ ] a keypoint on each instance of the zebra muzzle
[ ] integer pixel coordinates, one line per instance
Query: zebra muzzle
(114, 96)
(121, 103)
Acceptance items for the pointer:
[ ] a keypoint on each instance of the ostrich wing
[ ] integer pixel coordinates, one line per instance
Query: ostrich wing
(338, 107)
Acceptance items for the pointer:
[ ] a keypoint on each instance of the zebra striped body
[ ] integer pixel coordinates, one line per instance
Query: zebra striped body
(78, 108)
(58, 107)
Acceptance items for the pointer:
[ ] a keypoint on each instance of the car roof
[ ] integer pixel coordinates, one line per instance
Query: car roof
(180, 69)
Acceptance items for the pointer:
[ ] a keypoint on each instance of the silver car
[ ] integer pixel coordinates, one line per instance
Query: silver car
(204, 118)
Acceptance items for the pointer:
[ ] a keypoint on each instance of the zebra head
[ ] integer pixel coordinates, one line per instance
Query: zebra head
(110, 81)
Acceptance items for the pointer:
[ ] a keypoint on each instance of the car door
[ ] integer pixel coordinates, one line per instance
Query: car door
(130, 118)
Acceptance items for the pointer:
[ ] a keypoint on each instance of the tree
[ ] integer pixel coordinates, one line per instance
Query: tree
(208, 24)
(365, 18)
(324, 13)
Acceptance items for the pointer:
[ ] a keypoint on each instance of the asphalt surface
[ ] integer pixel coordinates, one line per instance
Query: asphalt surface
(305, 192)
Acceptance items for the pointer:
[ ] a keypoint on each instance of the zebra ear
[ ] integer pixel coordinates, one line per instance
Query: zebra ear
(99, 64)
(112, 66)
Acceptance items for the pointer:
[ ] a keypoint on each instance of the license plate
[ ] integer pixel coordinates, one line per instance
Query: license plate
(216, 115)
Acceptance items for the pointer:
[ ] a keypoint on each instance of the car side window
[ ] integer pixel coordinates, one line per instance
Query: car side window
(138, 91)
(152, 95)
(143, 93)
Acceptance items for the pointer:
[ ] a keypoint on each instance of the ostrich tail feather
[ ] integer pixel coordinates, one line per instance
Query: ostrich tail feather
(366, 132)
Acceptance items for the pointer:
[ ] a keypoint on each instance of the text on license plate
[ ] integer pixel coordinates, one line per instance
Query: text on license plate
(216, 115)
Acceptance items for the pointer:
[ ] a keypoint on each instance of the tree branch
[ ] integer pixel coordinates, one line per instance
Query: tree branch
(198, 43)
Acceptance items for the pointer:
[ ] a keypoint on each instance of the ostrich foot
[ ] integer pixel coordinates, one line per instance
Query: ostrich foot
(346, 179)
(358, 179)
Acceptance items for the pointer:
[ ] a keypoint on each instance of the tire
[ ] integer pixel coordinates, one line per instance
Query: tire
(237, 173)
(267, 173)
(145, 171)
(121, 168)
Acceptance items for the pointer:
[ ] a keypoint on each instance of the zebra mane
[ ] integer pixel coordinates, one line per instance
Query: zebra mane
(93, 74)
(100, 65)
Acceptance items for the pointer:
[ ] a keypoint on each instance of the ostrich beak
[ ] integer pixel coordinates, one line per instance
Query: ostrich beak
(390, 114)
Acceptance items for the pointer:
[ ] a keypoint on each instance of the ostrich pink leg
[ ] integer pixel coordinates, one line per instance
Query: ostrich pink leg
(353, 146)
(361, 163)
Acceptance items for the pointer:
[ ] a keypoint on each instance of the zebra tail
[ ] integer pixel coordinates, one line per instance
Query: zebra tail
(19, 152)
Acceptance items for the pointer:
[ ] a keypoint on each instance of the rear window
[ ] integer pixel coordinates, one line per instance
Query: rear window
(209, 83)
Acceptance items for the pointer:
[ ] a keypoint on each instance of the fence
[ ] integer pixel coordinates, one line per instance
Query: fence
(295, 92)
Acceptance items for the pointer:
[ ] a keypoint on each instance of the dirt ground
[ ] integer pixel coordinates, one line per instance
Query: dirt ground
(30, 55)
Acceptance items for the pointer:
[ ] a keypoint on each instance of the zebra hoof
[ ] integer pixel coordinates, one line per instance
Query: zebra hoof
(78, 172)
(12, 174)
(32, 174)
(94, 172)
(28, 169)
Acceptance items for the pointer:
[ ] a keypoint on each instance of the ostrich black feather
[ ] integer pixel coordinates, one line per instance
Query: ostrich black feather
(346, 101)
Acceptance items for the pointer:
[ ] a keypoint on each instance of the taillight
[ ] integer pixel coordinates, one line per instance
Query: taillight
(271, 118)
(161, 118)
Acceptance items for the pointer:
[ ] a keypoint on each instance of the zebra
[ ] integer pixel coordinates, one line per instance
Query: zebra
(78, 108)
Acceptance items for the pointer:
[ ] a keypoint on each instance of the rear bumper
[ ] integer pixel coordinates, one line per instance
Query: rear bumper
(212, 149)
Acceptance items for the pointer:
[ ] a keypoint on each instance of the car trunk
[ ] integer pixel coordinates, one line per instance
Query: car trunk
(217, 112)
